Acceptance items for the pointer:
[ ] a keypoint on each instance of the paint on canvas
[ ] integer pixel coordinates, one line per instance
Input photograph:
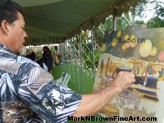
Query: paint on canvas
(142, 52)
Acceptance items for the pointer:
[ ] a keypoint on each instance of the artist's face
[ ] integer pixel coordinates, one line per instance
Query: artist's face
(16, 35)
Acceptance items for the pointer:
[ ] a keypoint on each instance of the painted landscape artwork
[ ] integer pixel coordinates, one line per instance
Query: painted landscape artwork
(141, 52)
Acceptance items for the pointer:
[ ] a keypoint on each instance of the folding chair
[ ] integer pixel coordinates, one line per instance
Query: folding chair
(63, 80)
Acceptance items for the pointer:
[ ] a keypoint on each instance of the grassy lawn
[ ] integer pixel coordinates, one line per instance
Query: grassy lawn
(75, 83)
(75, 80)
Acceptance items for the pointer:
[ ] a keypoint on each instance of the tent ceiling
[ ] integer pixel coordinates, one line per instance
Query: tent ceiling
(35, 2)
(63, 18)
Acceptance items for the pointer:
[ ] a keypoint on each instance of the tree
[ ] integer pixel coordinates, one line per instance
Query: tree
(145, 7)
(155, 22)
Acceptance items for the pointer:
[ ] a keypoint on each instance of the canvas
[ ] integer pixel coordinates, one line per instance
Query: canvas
(140, 51)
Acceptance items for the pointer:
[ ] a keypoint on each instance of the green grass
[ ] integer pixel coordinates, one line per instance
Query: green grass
(75, 83)
(80, 81)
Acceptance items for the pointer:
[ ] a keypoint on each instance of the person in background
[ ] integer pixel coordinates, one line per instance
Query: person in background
(27, 53)
(47, 58)
(29, 94)
(42, 64)
(30, 55)
(33, 56)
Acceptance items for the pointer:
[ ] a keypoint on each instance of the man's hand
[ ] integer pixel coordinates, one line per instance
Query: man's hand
(123, 80)
(92, 103)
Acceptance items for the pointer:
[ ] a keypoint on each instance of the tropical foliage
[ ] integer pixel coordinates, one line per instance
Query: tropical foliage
(155, 22)
(123, 22)
(147, 6)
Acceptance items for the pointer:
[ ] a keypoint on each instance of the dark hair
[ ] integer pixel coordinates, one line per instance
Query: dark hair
(47, 49)
(8, 11)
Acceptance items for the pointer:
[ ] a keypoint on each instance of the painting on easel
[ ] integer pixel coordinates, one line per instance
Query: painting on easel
(142, 52)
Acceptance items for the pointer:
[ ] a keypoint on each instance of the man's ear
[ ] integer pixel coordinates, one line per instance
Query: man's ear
(4, 26)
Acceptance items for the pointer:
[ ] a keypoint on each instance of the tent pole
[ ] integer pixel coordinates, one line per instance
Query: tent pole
(93, 47)
(63, 56)
(72, 60)
(114, 20)
(77, 61)
(81, 65)
(69, 55)
(65, 45)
